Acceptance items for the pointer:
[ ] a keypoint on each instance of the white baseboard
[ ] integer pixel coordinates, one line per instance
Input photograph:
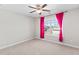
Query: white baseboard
(65, 44)
(14, 43)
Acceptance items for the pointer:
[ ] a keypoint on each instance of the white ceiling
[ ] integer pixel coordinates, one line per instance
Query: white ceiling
(24, 9)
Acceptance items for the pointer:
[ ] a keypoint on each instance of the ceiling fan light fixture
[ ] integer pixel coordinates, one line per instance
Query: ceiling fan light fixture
(38, 11)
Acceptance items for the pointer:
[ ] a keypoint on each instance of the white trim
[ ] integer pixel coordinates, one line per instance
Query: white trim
(65, 44)
(14, 43)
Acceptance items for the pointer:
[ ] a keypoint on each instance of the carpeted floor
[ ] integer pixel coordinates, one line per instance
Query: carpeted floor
(38, 47)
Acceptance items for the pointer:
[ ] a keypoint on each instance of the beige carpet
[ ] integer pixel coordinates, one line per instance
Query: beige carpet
(38, 47)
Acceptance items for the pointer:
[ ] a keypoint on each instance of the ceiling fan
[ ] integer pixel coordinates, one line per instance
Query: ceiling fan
(39, 8)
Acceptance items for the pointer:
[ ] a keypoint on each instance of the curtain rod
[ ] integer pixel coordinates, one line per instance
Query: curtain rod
(55, 14)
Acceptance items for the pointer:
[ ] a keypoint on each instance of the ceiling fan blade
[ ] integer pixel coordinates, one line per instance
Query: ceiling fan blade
(32, 11)
(32, 7)
(44, 5)
(46, 10)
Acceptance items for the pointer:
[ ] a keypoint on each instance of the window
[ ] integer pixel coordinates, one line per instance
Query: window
(51, 27)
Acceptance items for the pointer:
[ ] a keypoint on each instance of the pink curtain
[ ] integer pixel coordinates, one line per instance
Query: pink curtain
(59, 17)
(42, 27)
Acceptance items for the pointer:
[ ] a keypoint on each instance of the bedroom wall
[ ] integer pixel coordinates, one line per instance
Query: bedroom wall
(70, 29)
(15, 27)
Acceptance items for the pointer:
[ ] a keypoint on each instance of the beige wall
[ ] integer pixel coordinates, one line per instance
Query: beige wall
(15, 27)
(71, 27)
